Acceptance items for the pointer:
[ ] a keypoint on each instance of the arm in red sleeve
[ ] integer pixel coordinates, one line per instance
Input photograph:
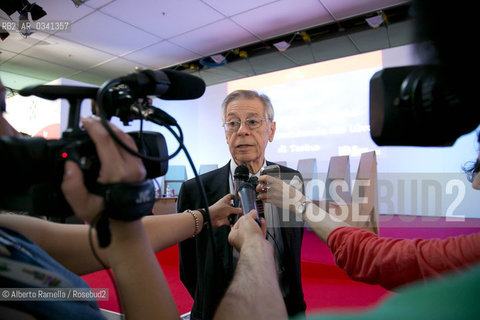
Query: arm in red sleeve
(391, 263)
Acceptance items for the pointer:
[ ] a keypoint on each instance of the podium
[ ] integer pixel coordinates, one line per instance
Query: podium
(165, 205)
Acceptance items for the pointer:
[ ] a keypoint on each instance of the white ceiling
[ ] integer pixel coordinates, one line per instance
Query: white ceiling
(110, 38)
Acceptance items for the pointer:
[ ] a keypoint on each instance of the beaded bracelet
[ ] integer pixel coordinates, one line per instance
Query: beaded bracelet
(197, 223)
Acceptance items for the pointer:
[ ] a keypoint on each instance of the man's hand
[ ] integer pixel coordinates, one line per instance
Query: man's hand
(117, 165)
(246, 229)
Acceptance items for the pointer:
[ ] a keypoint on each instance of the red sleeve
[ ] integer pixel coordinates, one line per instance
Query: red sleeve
(390, 262)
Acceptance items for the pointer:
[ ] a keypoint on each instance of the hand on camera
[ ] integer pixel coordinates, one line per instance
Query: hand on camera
(117, 165)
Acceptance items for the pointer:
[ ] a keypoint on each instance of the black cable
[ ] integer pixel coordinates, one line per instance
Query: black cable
(199, 185)
(178, 137)
(204, 195)
(103, 117)
(274, 241)
(141, 136)
(97, 257)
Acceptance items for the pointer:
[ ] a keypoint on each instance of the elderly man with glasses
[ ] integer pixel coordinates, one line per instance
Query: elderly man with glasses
(248, 119)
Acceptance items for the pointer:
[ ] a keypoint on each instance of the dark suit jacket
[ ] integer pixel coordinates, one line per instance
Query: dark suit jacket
(207, 276)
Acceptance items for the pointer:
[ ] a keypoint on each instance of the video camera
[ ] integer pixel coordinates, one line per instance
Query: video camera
(32, 167)
(435, 103)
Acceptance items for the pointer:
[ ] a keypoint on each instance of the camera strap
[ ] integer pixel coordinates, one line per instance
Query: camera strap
(125, 202)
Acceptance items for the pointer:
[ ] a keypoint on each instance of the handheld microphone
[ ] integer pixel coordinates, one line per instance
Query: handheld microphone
(244, 191)
(241, 174)
(246, 194)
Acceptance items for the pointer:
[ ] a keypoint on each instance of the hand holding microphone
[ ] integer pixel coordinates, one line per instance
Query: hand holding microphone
(244, 191)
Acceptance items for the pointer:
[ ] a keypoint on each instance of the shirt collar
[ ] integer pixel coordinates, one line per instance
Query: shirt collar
(234, 166)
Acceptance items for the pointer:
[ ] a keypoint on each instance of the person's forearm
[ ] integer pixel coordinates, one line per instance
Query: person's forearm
(321, 222)
(143, 289)
(254, 290)
(289, 198)
(59, 239)
(390, 262)
(162, 232)
(167, 230)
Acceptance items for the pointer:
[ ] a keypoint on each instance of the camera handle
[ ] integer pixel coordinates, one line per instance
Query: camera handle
(73, 116)
(73, 94)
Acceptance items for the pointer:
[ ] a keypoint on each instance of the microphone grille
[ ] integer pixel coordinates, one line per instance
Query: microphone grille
(241, 172)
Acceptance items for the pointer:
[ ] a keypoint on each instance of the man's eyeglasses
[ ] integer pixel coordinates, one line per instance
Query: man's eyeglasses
(234, 125)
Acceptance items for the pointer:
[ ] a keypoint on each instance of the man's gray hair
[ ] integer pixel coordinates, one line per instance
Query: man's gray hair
(248, 94)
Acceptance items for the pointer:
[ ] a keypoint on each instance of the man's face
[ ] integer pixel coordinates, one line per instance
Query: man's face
(247, 146)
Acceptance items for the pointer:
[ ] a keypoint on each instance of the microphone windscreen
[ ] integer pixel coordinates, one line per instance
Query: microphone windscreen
(242, 173)
(53, 92)
(183, 86)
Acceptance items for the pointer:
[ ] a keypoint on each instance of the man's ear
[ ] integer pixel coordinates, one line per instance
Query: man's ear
(226, 137)
(271, 133)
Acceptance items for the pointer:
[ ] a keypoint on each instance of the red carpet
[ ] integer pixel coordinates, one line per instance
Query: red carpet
(325, 286)
(168, 259)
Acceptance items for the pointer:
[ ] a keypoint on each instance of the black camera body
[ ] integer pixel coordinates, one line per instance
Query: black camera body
(33, 170)
(434, 103)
